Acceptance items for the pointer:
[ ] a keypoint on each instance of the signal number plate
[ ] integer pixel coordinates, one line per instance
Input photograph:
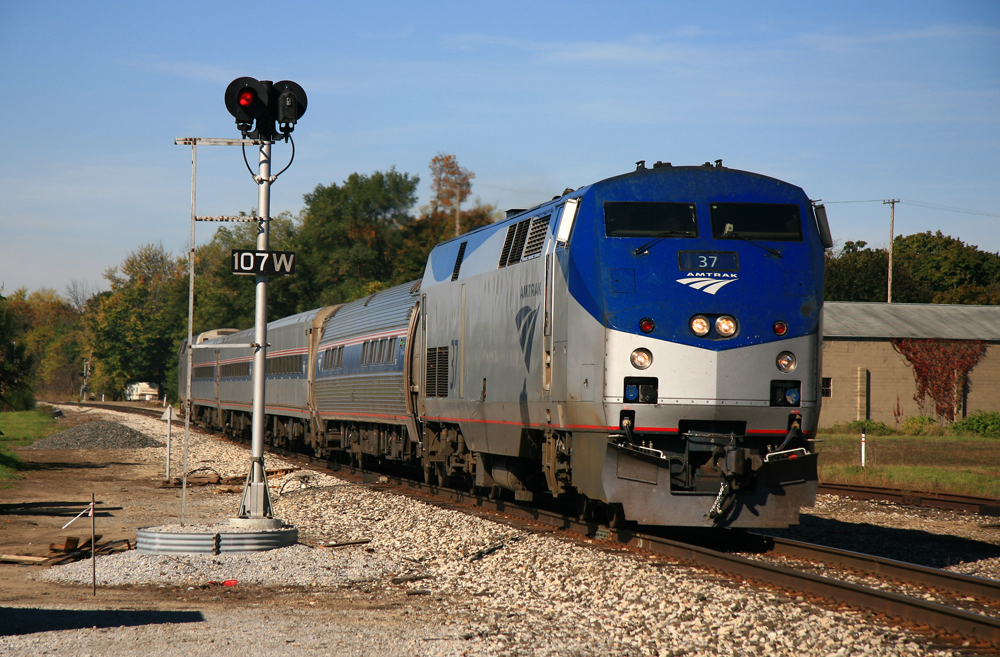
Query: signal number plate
(273, 263)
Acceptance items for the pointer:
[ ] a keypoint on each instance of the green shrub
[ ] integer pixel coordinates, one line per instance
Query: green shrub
(20, 399)
(921, 425)
(978, 424)
(870, 427)
(873, 428)
(9, 463)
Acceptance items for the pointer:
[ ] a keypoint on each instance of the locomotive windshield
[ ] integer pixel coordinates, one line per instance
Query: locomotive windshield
(757, 221)
(636, 219)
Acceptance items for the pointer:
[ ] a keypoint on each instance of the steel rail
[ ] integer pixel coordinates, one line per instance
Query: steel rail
(935, 578)
(919, 611)
(981, 505)
(915, 610)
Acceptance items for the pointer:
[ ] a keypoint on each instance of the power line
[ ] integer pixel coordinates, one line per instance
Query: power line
(948, 208)
(921, 204)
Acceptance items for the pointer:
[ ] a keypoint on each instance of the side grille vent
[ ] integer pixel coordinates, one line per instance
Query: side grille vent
(524, 240)
(511, 231)
(519, 239)
(437, 372)
(458, 261)
(536, 237)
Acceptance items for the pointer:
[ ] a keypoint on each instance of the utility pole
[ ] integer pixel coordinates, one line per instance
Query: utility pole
(892, 231)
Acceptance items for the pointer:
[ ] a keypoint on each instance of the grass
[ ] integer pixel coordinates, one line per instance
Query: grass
(19, 429)
(962, 465)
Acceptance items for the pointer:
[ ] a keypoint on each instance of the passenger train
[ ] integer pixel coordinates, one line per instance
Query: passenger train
(647, 346)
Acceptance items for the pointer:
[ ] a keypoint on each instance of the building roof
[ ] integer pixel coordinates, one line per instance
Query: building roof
(883, 321)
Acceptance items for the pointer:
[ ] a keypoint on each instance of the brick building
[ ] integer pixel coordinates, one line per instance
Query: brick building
(865, 378)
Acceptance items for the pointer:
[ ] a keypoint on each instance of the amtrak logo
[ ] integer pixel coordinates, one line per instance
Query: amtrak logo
(707, 285)
(525, 321)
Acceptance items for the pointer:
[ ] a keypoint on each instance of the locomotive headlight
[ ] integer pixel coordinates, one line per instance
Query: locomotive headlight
(786, 361)
(641, 359)
(725, 326)
(700, 326)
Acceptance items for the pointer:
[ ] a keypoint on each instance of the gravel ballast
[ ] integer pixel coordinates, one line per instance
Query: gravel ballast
(483, 588)
(297, 565)
(98, 435)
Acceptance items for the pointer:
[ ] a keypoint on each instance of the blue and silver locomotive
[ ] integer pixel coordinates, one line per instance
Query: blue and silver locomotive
(647, 346)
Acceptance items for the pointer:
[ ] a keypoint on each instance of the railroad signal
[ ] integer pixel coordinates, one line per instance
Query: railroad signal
(249, 100)
(291, 106)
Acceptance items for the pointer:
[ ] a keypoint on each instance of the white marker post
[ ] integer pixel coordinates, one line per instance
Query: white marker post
(862, 448)
(93, 541)
(168, 415)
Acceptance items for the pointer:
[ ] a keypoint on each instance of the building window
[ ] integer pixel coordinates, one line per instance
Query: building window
(827, 389)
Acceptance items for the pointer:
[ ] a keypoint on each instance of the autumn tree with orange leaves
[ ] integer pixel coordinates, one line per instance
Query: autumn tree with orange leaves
(451, 185)
(443, 218)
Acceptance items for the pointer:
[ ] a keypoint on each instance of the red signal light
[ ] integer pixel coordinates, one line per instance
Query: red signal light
(780, 328)
(646, 325)
(247, 97)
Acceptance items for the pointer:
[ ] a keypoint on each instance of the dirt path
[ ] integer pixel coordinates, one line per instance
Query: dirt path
(57, 485)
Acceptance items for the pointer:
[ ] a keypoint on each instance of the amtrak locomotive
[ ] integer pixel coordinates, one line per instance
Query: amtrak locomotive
(647, 346)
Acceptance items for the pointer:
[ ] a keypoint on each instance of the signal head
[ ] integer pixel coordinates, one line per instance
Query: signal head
(292, 104)
(246, 99)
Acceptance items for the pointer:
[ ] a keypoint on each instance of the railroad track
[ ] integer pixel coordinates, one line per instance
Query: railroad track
(946, 622)
(981, 505)
(943, 621)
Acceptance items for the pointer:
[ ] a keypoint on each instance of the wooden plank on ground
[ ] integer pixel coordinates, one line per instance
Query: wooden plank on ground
(23, 559)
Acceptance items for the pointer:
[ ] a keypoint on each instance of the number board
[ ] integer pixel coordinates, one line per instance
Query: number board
(708, 261)
(273, 263)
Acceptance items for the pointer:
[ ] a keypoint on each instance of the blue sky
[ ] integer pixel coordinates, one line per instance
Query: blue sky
(853, 101)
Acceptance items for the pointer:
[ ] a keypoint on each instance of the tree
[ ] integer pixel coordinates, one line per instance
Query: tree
(135, 327)
(926, 268)
(430, 229)
(948, 269)
(859, 274)
(55, 342)
(16, 364)
(79, 293)
(224, 299)
(441, 219)
(451, 185)
(350, 235)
